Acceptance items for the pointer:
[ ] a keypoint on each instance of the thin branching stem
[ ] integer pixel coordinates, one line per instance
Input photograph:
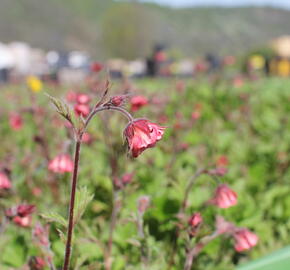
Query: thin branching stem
(193, 252)
(68, 247)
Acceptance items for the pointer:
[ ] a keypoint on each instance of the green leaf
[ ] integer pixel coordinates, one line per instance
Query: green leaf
(61, 107)
(55, 217)
(279, 260)
(83, 198)
(13, 255)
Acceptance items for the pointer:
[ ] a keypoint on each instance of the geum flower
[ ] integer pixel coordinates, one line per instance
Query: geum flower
(61, 164)
(137, 102)
(142, 134)
(83, 99)
(194, 224)
(15, 121)
(224, 197)
(21, 214)
(245, 239)
(82, 109)
(5, 182)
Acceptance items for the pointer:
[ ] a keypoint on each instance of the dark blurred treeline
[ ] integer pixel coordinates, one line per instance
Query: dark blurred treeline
(129, 30)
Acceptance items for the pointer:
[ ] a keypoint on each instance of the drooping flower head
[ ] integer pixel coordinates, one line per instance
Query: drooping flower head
(21, 214)
(71, 96)
(137, 102)
(5, 182)
(224, 197)
(61, 164)
(36, 263)
(82, 109)
(41, 235)
(24, 210)
(244, 239)
(142, 134)
(83, 98)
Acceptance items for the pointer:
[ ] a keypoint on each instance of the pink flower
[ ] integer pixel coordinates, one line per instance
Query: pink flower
(82, 109)
(123, 181)
(15, 121)
(5, 183)
(61, 164)
(224, 197)
(195, 115)
(21, 214)
(223, 226)
(143, 204)
(71, 96)
(118, 100)
(238, 82)
(41, 234)
(127, 178)
(36, 191)
(195, 220)
(180, 86)
(138, 102)
(36, 263)
(24, 210)
(83, 99)
(245, 239)
(87, 138)
(221, 171)
(222, 161)
(142, 134)
(22, 221)
(96, 67)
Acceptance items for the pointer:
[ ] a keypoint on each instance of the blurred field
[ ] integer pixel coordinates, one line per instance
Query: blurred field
(249, 125)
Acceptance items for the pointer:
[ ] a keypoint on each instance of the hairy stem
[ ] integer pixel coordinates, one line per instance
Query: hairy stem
(181, 212)
(188, 189)
(193, 252)
(114, 215)
(75, 176)
(71, 206)
(107, 107)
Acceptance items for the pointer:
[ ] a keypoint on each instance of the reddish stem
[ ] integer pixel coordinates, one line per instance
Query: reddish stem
(71, 206)
(193, 252)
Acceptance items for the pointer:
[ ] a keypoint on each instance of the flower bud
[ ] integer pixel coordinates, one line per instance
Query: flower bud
(195, 220)
(118, 100)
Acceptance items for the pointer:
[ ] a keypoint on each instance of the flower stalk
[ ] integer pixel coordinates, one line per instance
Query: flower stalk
(140, 135)
(72, 205)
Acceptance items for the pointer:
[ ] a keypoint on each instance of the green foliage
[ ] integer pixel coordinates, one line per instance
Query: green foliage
(250, 125)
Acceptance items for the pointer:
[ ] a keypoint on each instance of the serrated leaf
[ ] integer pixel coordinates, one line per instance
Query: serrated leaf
(83, 198)
(61, 235)
(55, 217)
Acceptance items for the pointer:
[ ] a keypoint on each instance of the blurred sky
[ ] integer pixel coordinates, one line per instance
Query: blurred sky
(277, 3)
